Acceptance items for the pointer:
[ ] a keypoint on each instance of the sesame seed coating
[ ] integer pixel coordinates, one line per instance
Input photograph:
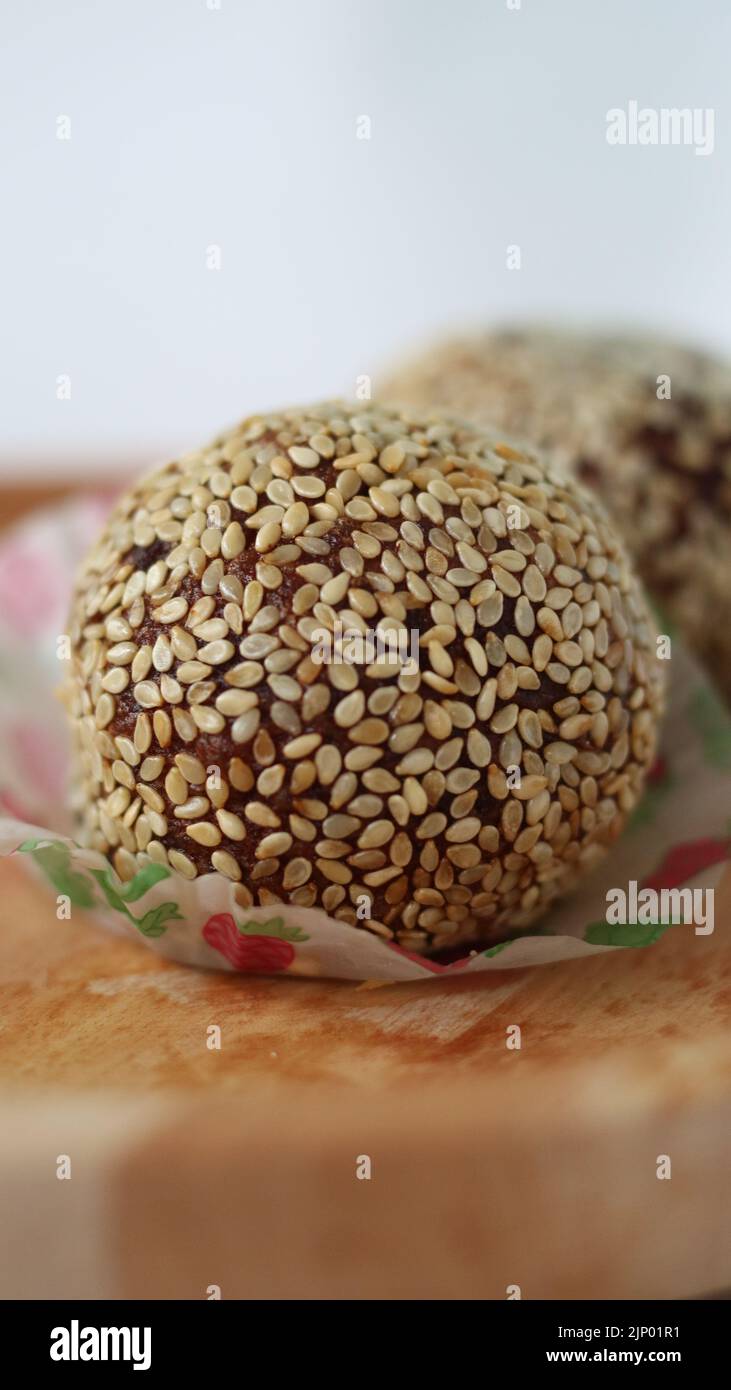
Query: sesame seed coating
(660, 462)
(436, 801)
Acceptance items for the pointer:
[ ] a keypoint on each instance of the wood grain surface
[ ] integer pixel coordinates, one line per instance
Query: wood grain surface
(490, 1167)
(194, 1169)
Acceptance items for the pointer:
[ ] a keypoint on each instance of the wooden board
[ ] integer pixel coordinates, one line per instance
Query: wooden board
(491, 1167)
(236, 1168)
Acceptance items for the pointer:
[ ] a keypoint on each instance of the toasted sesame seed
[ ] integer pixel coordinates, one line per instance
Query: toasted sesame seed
(224, 863)
(240, 776)
(128, 751)
(308, 486)
(296, 873)
(105, 710)
(559, 752)
(171, 612)
(245, 726)
(244, 499)
(328, 762)
(122, 653)
(437, 720)
(334, 871)
(182, 864)
(296, 518)
(215, 653)
(260, 814)
(176, 787)
(191, 809)
(285, 687)
(232, 541)
(432, 825)
(303, 746)
(234, 702)
(210, 630)
(204, 833)
(272, 846)
(350, 709)
(116, 680)
(304, 457)
(267, 537)
(208, 720)
(379, 832)
(253, 596)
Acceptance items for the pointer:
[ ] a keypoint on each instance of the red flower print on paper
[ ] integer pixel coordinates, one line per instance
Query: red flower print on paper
(263, 952)
(686, 860)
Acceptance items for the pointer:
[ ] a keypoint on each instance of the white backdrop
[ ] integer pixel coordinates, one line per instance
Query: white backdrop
(200, 132)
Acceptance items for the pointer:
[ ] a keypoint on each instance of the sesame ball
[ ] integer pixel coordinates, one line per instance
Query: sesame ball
(445, 781)
(660, 462)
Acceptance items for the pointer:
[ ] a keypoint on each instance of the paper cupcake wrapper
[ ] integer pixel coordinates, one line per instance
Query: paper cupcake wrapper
(679, 836)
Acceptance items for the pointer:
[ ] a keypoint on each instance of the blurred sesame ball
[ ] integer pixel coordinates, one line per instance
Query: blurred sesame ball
(645, 423)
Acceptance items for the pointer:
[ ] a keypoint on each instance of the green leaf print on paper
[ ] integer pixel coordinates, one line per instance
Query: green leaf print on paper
(495, 950)
(143, 880)
(624, 933)
(711, 720)
(54, 858)
(131, 891)
(154, 922)
(274, 927)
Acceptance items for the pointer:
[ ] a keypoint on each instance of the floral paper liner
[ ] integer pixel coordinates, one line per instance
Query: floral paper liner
(679, 836)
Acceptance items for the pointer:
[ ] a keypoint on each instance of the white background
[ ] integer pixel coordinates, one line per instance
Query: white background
(237, 127)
